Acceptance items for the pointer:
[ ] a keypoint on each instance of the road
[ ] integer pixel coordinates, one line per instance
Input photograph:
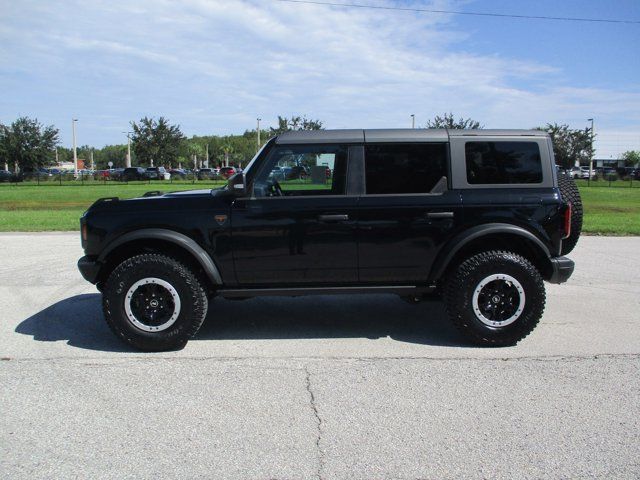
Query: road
(331, 387)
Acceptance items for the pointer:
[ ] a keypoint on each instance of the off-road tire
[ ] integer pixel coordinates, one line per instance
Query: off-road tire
(570, 193)
(459, 287)
(192, 297)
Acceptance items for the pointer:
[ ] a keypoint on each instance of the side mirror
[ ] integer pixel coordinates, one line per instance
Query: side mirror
(237, 185)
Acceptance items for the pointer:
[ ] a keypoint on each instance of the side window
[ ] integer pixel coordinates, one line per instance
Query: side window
(503, 162)
(406, 168)
(296, 170)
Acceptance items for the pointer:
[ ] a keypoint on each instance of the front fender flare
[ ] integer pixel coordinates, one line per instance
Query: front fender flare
(179, 239)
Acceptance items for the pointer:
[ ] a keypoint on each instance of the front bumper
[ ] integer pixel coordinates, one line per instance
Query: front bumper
(89, 268)
(562, 269)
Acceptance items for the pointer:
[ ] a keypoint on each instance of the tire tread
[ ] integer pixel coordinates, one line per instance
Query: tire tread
(458, 282)
(198, 300)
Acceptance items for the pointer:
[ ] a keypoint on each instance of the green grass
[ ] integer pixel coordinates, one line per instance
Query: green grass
(611, 211)
(25, 208)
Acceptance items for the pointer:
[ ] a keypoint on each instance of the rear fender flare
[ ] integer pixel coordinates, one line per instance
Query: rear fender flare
(449, 251)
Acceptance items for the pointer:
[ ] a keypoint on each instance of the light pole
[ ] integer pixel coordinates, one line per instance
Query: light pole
(75, 153)
(590, 156)
(413, 120)
(128, 162)
(258, 132)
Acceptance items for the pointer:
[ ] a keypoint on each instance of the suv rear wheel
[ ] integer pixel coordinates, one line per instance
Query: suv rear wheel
(495, 298)
(154, 303)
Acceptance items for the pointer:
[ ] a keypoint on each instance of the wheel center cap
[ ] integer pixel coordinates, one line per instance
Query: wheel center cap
(496, 299)
(153, 303)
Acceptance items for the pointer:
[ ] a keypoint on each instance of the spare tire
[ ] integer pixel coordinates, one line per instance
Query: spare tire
(570, 194)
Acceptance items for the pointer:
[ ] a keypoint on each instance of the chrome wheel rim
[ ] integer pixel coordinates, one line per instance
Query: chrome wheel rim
(498, 300)
(152, 304)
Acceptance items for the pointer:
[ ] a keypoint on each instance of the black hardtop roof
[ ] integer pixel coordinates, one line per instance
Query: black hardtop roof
(393, 135)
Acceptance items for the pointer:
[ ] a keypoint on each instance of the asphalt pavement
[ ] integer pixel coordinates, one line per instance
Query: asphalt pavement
(332, 387)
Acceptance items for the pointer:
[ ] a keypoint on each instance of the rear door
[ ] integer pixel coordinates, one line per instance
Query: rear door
(408, 211)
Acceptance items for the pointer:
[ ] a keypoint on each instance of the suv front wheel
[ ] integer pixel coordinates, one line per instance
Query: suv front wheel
(495, 298)
(154, 303)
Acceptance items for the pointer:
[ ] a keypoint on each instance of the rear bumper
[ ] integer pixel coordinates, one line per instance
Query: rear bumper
(562, 269)
(89, 268)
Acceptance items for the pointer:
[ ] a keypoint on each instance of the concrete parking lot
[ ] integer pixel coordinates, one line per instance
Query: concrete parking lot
(332, 387)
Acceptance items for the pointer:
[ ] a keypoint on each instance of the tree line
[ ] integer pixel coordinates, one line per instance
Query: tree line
(28, 145)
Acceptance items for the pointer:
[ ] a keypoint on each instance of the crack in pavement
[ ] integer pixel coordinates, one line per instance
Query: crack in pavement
(312, 398)
(146, 357)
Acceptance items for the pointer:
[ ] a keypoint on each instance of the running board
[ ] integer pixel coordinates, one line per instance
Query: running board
(298, 291)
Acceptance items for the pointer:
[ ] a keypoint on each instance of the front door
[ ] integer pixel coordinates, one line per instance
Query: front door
(298, 225)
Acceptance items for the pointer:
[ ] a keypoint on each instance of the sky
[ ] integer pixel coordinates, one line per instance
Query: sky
(214, 66)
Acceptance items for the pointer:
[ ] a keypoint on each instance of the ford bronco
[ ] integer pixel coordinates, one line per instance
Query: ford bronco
(480, 218)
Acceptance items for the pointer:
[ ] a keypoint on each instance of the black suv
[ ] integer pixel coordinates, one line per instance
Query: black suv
(132, 174)
(480, 218)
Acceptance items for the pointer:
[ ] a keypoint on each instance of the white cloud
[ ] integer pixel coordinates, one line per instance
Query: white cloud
(213, 66)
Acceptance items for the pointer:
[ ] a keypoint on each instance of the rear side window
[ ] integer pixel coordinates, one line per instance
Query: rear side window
(406, 168)
(503, 162)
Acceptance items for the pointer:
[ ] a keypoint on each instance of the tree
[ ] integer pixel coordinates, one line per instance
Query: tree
(569, 146)
(631, 158)
(28, 144)
(116, 154)
(156, 141)
(448, 121)
(295, 123)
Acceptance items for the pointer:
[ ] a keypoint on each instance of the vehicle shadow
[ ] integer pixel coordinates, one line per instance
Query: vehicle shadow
(336, 316)
(79, 321)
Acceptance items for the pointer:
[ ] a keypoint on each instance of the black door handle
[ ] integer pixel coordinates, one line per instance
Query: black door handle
(439, 215)
(333, 218)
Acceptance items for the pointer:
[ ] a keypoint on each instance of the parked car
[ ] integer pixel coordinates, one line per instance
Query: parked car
(277, 173)
(226, 172)
(609, 174)
(116, 173)
(158, 173)
(628, 172)
(207, 174)
(298, 173)
(419, 232)
(177, 174)
(581, 172)
(6, 176)
(132, 174)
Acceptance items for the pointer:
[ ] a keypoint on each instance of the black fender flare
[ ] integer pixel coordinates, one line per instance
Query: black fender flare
(447, 253)
(179, 239)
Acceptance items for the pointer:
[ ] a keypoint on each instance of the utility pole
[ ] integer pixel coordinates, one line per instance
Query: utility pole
(92, 159)
(128, 161)
(590, 156)
(207, 148)
(258, 132)
(75, 153)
